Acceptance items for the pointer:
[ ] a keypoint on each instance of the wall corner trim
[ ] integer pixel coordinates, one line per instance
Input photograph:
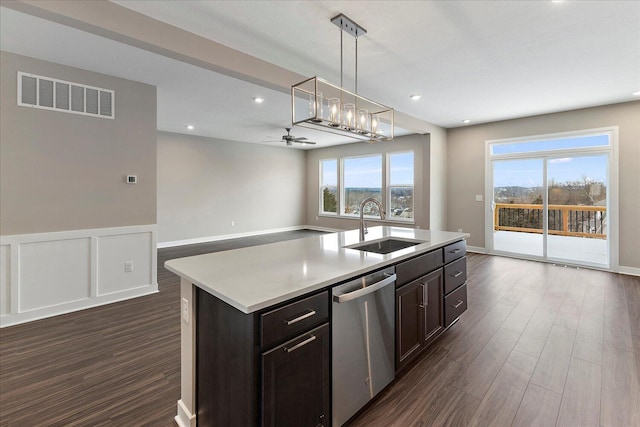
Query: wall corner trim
(184, 418)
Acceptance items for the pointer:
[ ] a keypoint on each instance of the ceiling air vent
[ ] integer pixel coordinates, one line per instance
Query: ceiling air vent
(59, 95)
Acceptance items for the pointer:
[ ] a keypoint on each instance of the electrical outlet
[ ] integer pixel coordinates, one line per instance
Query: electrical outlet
(478, 197)
(185, 310)
(459, 230)
(316, 218)
(128, 267)
(233, 223)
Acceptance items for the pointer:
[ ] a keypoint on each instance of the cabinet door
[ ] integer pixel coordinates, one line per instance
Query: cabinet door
(434, 316)
(295, 381)
(409, 321)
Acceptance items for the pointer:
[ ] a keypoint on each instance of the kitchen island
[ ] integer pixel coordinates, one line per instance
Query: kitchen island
(229, 298)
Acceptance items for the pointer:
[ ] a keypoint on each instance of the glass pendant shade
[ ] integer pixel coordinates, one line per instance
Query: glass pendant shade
(363, 121)
(316, 106)
(334, 111)
(349, 116)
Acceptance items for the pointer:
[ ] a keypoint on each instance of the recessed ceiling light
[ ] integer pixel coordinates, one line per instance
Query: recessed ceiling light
(636, 93)
(415, 97)
(190, 127)
(258, 100)
(466, 121)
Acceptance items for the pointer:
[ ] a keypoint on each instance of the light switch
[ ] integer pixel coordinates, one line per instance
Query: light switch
(478, 197)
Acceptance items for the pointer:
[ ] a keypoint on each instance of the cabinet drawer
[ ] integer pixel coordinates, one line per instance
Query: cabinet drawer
(455, 304)
(454, 251)
(455, 274)
(418, 266)
(296, 381)
(286, 322)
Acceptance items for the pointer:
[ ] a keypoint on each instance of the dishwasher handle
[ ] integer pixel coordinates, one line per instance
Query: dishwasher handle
(365, 291)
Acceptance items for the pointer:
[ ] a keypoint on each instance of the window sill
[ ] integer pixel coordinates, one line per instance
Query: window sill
(369, 218)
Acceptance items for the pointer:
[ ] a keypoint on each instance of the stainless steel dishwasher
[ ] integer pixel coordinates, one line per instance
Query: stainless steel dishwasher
(363, 319)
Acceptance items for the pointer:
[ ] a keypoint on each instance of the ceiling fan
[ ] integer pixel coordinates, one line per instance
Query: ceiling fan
(290, 139)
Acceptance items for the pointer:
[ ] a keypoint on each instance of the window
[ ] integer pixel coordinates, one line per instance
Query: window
(329, 186)
(346, 182)
(569, 143)
(400, 186)
(362, 178)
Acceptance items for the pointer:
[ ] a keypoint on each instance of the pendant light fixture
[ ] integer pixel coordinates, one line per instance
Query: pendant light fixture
(320, 105)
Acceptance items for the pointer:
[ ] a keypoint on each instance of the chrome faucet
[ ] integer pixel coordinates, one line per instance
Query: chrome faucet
(363, 226)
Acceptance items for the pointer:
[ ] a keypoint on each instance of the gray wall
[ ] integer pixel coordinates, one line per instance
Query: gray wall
(205, 183)
(418, 143)
(61, 171)
(438, 217)
(466, 167)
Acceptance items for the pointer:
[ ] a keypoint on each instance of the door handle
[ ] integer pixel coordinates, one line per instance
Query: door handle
(365, 291)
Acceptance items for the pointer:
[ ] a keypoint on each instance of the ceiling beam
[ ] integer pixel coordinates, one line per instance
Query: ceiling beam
(118, 23)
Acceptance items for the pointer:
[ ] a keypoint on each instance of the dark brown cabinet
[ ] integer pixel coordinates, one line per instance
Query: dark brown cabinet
(455, 278)
(268, 368)
(295, 381)
(419, 316)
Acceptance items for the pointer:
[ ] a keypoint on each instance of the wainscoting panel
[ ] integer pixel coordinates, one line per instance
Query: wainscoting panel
(48, 274)
(114, 252)
(5, 280)
(53, 273)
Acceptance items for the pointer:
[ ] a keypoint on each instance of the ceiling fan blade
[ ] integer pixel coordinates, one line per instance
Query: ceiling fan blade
(302, 138)
(304, 142)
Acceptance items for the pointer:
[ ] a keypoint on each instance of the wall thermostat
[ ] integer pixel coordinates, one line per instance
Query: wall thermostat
(132, 179)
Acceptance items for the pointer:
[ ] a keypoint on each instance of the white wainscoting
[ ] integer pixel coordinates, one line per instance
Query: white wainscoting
(47, 274)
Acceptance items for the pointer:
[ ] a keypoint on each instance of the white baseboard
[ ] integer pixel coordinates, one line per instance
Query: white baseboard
(48, 274)
(57, 310)
(184, 418)
(476, 249)
(326, 229)
(631, 271)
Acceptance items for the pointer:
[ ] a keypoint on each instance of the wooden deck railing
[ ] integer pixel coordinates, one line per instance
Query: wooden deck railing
(564, 220)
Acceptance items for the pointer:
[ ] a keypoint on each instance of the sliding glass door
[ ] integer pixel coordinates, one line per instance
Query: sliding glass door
(577, 189)
(550, 199)
(517, 196)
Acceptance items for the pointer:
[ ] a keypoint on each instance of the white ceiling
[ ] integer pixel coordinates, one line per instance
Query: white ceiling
(477, 60)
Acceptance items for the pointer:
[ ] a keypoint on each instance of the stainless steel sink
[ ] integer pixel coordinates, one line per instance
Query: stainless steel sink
(385, 246)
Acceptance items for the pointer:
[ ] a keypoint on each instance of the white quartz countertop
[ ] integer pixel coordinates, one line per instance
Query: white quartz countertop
(258, 277)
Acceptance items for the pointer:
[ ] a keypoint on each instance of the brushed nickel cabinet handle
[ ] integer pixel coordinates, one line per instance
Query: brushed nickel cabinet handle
(425, 294)
(303, 343)
(299, 318)
(455, 251)
(458, 304)
(458, 274)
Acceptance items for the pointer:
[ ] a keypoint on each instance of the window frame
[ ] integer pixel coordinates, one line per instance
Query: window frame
(385, 158)
(321, 210)
(343, 192)
(389, 186)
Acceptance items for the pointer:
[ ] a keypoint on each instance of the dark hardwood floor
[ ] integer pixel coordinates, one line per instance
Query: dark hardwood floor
(539, 345)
